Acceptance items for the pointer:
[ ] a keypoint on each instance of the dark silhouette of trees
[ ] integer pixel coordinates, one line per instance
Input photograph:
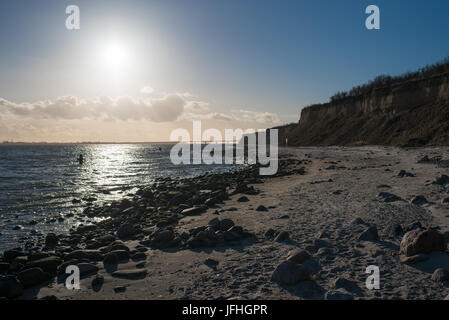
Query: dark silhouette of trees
(386, 81)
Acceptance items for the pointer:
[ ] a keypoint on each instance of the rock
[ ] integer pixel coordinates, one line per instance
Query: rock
(97, 283)
(20, 260)
(4, 267)
(395, 230)
(231, 235)
(226, 224)
(261, 208)
(422, 241)
(389, 197)
(91, 255)
(86, 228)
(337, 295)
(139, 256)
(51, 240)
(110, 258)
(9, 255)
(414, 259)
(192, 211)
(87, 269)
(419, 200)
(10, 287)
(346, 284)
(237, 229)
(214, 223)
(105, 240)
(404, 173)
(325, 251)
(119, 254)
(118, 246)
(164, 236)
(290, 273)
(442, 180)
(211, 263)
(369, 234)
(282, 236)
(357, 221)
(127, 230)
(31, 277)
(445, 200)
(440, 275)
(322, 234)
(319, 243)
(312, 266)
(130, 274)
(243, 199)
(413, 226)
(120, 289)
(270, 233)
(49, 264)
(37, 255)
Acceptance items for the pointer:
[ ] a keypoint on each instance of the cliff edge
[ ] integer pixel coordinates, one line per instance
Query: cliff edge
(408, 113)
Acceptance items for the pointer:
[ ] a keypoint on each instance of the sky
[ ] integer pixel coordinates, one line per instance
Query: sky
(136, 70)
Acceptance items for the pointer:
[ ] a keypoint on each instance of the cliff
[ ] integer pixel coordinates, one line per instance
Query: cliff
(410, 113)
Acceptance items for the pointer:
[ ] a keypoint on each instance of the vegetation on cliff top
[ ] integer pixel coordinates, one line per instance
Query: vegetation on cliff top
(383, 81)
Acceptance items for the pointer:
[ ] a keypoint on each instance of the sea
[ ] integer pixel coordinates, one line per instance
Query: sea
(44, 188)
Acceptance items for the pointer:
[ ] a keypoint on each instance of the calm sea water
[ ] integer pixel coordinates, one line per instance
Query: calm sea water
(40, 183)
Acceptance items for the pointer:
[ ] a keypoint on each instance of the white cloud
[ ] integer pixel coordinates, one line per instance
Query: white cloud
(147, 90)
(165, 109)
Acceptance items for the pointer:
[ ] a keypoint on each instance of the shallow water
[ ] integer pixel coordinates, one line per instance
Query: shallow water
(41, 182)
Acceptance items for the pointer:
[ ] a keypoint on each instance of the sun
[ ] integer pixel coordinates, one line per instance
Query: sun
(115, 57)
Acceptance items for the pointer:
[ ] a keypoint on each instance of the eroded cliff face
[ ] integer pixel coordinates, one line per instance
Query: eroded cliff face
(410, 113)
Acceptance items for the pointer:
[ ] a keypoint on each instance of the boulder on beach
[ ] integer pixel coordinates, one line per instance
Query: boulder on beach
(49, 264)
(282, 236)
(337, 295)
(389, 197)
(290, 273)
(440, 275)
(369, 234)
(88, 254)
(442, 180)
(87, 269)
(298, 256)
(32, 277)
(10, 287)
(419, 200)
(422, 241)
(226, 224)
(192, 211)
(51, 240)
(414, 259)
(127, 230)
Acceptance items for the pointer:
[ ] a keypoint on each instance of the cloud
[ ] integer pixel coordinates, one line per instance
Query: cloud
(197, 107)
(165, 109)
(255, 116)
(159, 108)
(147, 90)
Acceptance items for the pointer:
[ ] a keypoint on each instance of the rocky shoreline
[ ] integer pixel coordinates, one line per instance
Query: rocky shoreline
(148, 217)
(310, 232)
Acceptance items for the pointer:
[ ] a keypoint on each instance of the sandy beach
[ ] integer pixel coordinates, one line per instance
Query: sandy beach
(323, 208)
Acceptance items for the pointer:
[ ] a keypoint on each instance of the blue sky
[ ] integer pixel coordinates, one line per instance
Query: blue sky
(256, 55)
